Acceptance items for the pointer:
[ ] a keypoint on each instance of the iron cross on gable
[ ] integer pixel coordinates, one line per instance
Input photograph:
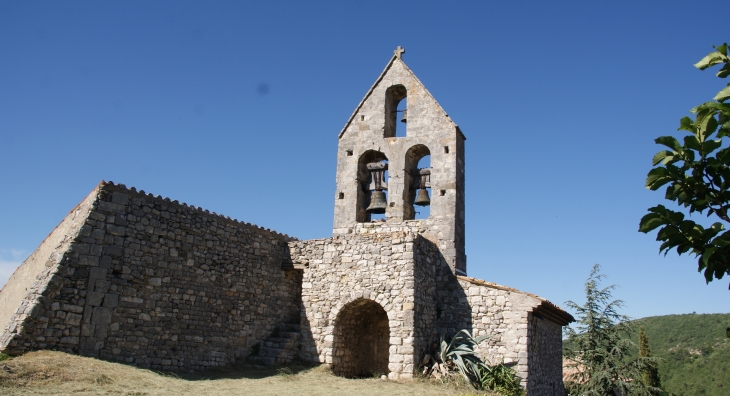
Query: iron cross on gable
(399, 52)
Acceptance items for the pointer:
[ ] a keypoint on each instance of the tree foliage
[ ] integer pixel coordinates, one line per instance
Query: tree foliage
(601, 346)
(650, 373)
(696, 173)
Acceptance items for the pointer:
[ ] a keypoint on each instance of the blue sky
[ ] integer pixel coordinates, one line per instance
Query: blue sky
(236, 107)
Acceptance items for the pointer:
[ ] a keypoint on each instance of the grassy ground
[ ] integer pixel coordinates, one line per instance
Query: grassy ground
(48, 372)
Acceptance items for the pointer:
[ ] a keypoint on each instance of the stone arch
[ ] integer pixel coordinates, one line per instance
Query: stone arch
(393, 95)
(361, 342)
(363, 178)
(411, 178)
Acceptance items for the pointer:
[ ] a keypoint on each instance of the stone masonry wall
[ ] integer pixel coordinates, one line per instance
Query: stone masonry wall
(345, 269)
(507, 316)
(163, 285)
(427, 259)
(545, 356)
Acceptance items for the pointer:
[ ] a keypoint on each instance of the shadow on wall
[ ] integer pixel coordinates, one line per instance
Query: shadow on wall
(441, 304)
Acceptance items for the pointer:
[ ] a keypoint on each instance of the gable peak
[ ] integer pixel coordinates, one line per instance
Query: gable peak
(397, 57)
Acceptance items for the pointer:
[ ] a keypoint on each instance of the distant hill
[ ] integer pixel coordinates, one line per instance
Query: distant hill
(695, 352)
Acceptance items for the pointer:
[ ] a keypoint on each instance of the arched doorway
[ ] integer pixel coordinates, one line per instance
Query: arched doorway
(361, 340)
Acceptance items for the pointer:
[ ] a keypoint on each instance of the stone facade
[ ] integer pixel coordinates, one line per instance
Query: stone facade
(139, 279)
(349, 270)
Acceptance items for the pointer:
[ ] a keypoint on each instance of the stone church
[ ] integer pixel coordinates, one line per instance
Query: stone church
(132, 277)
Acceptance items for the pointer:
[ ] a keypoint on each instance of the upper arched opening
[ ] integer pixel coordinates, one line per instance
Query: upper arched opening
(396, 110)
(372, 177)
(417, 181)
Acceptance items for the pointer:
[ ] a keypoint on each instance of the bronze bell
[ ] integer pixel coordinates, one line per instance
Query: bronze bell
(404, 118)
(377, 203)
(422, 198)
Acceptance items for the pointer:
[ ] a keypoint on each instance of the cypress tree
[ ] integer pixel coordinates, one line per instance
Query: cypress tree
(650, 371)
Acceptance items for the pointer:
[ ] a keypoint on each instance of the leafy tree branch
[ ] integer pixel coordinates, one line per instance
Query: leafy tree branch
(696, 173)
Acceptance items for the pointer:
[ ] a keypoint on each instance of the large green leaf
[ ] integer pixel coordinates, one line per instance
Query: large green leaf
(724, 71)
(710, 146)
(711, 59)
(706, 256)
(670, 142)
(707, 125)
(723, 95)
(665, 155)
(650, 222)
(686, 124)
(657, 177)
(691, 142)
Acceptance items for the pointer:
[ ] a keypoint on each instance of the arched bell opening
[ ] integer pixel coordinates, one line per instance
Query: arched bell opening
(396, 111)
(372, 178)
(417, 187)
(361, 342)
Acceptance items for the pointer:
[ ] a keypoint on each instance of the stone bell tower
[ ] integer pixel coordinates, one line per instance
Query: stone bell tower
(368, 148)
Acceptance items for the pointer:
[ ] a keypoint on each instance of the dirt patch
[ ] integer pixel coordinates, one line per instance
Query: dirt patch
(48, 372)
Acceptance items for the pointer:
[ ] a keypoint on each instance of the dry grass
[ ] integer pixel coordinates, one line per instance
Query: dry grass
(47, 372)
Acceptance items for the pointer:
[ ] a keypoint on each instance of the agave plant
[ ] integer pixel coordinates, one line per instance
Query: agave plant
(460, 352)
(458, 355)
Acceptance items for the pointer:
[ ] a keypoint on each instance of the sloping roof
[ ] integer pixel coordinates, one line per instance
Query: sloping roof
(546, 308)
(393, 59)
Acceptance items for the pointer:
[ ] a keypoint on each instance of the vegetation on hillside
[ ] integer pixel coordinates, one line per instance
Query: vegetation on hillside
(694, 352)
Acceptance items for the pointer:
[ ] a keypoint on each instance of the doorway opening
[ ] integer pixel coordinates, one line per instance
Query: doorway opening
(361, 341)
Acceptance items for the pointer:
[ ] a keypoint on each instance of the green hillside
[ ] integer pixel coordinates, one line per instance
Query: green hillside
(695, 352)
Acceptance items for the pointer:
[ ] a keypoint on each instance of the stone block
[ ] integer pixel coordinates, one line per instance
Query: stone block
(87, 330)
(94, 299)
(101, 316)
(97, 273)
(120, 198)
(101, 332)
(112, 207)
(116, 230)
(114, 251)
(73, 319)
(111, 300)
